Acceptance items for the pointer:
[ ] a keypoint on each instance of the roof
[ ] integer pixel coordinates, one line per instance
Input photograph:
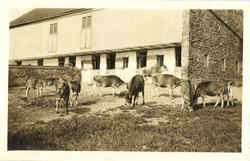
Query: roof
(41, 14)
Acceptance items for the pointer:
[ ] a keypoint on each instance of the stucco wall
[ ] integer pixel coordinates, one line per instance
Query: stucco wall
(127, 73)
(50, 62)
(110, 29)
(210, 37)
(29, 62)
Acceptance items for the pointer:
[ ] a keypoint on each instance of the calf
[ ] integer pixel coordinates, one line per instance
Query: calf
(220, 89)
(75, 87)
(108, 81)
(63, 95)
(166, 81)
(34, 83)
(135, 85)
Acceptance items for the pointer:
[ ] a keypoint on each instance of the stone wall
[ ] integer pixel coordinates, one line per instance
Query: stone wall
(211, 42)
(19, 74)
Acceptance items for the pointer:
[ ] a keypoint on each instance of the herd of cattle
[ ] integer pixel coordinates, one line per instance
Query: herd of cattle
(68, 91)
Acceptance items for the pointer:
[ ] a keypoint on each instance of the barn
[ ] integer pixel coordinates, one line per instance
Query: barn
(193, 44)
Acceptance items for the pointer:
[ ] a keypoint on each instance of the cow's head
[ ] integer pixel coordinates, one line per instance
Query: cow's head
(128, 98)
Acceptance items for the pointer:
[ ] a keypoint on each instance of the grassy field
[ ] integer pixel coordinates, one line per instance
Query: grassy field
(104, 124)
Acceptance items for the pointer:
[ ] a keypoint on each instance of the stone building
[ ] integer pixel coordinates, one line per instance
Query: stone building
(193, 44)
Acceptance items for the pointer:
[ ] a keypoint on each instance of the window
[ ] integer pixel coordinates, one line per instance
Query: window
(40, 62)
(53, 38)
(82, 64)
(19, 62)
(178, 56)
(61, 61)
(111, 61)
(96, 61)
(72, 60)
(125, 62)
(160, 59)
(86, 32)
(141, 59)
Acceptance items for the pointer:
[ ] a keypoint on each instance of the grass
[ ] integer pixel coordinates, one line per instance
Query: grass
(126, 129)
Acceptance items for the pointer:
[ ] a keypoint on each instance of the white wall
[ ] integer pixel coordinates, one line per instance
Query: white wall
(110, 29)
(29, 62)
(50, 62)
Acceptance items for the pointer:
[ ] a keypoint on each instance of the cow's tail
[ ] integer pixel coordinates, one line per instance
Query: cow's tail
(130, 85)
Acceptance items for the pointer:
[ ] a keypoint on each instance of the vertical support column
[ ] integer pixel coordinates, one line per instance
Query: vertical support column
(103, 64)
(185, 44)
(66, 61)
(78, 62)
(185, 54)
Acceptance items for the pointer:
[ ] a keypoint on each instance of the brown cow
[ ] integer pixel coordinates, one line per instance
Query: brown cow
(220, 89)
(135, 85)
(108, 81)
(63, 95)
(166, 81)
(75, 87)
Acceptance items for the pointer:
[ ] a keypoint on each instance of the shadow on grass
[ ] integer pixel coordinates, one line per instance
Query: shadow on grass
(167, 95)
(90, 102)
(79, 110)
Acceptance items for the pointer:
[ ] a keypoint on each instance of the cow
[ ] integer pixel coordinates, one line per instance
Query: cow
(75, 86)
(134, 87)
(220, 89)
(150, 71)
(34, 83)
(63, 95)
(166, 81)
(108, 81)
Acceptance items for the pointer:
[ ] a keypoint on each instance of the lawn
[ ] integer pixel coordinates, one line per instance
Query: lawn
(104, 124)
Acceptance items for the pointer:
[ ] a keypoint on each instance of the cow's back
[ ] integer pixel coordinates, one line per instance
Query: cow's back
(211, 88)
(164, 80)
(108, 80)
(34, 83)
(136, 83)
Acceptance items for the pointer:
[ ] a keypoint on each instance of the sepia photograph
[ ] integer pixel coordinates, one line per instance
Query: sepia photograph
(108, 79)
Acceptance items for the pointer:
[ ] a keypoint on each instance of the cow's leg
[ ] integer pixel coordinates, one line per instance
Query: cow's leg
(113, 93)
(41, 91)
(182, 103)
(66, 105)
(57, 105)
(37, 91)
(203, 101)
(56, 87)
(228, 99)
(76, 100)
(222, 100)
(232, 100)
(171, 92)
(143, 97)
(217, 101)
(27, 91)
(135, 96)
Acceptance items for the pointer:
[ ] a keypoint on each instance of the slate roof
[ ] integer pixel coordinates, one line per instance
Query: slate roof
(40, 14)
